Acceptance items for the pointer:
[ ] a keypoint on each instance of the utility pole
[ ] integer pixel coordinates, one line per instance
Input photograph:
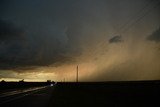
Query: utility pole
(77, 74)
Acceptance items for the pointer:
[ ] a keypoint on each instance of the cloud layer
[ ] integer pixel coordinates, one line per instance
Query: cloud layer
(52, 37)
(19, 50)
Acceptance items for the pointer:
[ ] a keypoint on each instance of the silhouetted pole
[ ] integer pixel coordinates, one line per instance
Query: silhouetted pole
(77, 74)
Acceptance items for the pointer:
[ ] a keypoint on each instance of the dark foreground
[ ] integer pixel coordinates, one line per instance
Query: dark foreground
(101, 94)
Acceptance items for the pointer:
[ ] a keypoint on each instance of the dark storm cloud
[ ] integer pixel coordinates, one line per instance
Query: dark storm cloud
(9, 32)
(12, 41)
(155, 36)
(116, 39)
(49, 34)
(18, 50)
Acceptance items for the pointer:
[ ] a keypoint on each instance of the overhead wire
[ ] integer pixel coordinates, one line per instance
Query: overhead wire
(126, 26)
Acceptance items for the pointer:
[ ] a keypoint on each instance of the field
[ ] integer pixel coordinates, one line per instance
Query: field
(111, 94)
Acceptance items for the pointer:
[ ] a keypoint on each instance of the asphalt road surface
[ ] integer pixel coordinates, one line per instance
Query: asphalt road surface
(88, 95)
(38, 97)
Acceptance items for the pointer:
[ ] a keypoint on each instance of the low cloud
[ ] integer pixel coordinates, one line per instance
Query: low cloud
(116, 39)
(155, 36)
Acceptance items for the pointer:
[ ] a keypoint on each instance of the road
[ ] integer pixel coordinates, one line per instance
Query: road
(118, 94)
(33, 97)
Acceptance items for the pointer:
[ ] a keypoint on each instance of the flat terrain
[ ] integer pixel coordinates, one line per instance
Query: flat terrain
(100, 94)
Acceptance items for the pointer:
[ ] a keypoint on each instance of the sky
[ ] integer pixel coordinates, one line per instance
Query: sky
(110, 40)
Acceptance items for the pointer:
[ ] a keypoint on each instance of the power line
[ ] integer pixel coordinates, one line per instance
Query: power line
(125, 27)
(133, 17)
(141, 17)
